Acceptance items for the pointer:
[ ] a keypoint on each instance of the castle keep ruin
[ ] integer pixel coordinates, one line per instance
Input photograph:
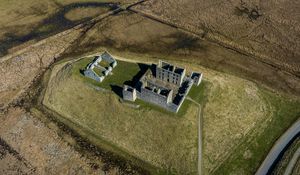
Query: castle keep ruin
(96, 69)
(164, 85)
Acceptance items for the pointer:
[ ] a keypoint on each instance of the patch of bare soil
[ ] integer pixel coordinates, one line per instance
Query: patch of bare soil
(27, 146)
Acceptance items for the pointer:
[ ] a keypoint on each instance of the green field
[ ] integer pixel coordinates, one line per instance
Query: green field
(239, 116)
(121, 73)
(241, 120)
(150, 136)
(126, 73)
(285, 112)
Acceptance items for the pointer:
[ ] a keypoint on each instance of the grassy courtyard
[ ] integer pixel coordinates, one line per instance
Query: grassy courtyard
(122, 73)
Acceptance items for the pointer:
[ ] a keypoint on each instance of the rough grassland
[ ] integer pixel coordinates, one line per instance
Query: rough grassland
(241, 120)
(267, 35)
(251, 116)
(158, 138)
(25, 22)
(81, 13)
(241, 123)
(28, 146)
(234, 107)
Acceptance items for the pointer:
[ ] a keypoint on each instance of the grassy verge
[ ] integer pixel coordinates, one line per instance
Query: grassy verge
(85, 140)
(285, 112)
(92, 137)
(199, 93)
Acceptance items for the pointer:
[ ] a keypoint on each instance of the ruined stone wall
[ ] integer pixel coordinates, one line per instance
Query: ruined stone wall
(168, 76)
(197, 78)
(170, 96)
(154, 98)
(157, 99)
(129, 95)
(160, 100)
(107, 57)
(176, 108)
(173, 108)
(91, 74)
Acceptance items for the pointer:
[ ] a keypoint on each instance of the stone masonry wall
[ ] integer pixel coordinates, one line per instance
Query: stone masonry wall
(91, 74)
(168, 76)
(154, 98)
(129, 95)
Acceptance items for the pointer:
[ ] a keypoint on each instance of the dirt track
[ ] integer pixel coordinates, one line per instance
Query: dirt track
(200, 137)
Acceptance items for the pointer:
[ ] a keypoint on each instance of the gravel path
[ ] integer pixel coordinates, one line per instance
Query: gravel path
(200, 119)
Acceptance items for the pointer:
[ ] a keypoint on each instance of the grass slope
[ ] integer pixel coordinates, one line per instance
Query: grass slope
(241, 119)
(284, 113)
(149, 136)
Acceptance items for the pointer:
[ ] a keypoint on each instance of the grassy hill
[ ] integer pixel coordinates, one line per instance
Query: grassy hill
(240, 119)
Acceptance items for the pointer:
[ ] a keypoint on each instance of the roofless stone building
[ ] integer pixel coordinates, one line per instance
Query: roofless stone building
(95, 71)
(164, 85)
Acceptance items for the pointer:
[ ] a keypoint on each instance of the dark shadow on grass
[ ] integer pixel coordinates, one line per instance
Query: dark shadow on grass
(81, 71)
(52, 25)
(117, 90)
(135, 79)
(133, 82)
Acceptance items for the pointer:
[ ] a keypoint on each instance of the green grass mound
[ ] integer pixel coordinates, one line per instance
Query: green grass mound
(157, 140)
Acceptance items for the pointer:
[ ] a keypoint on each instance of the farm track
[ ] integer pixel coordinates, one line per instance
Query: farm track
(200, 138)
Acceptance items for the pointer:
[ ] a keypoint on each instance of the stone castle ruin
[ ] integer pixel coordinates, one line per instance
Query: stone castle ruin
(100, 67)
(164, 85)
